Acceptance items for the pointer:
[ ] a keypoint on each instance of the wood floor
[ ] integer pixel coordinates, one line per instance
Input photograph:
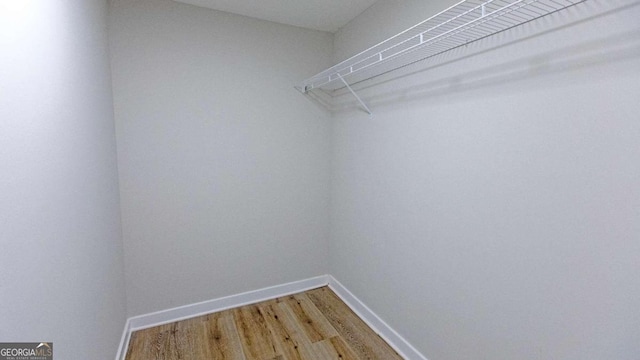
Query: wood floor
(314, 325)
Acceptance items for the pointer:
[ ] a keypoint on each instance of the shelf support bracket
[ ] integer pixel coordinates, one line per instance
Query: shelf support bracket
(366, 108)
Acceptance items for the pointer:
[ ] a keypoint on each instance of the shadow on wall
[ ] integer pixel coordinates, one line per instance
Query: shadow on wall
(512, 60)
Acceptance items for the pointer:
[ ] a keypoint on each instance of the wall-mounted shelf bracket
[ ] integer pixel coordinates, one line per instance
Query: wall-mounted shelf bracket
(365, 107)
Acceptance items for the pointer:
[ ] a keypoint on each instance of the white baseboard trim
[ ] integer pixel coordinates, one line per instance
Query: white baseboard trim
(124, 341)
(395, 340)
(406, 350)
(224, 303)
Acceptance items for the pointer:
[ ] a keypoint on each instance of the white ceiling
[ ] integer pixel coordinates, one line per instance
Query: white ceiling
(324, 15)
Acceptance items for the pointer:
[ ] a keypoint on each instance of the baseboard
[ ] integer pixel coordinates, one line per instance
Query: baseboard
(124, 341)
(395, 340)
(406, 350)
(228, 302)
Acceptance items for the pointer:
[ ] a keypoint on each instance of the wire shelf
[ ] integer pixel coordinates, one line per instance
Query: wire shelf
(464, 22)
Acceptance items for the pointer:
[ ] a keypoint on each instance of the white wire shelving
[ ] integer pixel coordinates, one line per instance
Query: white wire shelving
(462, 23)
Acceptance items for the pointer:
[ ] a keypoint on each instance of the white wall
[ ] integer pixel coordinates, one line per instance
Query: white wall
(224, 166)
(490, 208)
(61, 262)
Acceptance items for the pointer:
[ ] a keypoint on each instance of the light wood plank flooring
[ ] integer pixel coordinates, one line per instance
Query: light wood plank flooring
(314, 325)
